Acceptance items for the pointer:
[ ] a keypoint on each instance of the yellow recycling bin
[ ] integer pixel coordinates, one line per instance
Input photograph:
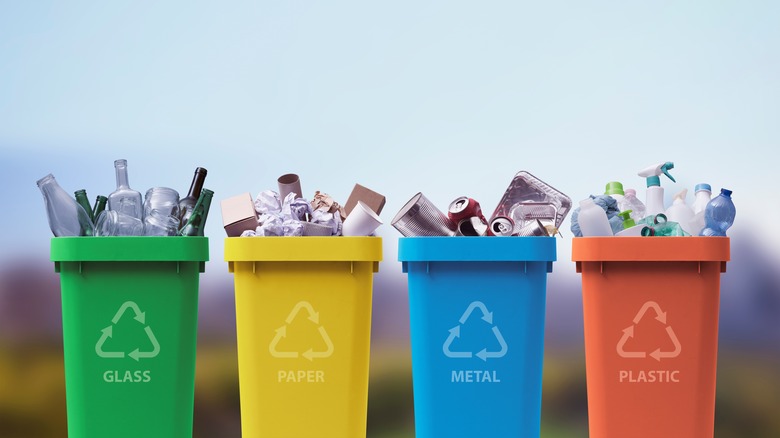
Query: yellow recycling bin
(303, 318)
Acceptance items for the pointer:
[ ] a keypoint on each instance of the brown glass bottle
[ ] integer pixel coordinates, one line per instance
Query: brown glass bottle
(187, 204)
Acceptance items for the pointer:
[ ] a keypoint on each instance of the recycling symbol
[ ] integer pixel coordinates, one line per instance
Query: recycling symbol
(281, 333)
(482, 354)
(108, 332)
(657, 354)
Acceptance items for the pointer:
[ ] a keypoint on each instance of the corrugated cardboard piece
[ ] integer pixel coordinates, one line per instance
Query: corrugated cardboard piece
(238, 214)
(372, 199)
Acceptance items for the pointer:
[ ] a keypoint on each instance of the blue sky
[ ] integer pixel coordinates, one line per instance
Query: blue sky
(447, 98)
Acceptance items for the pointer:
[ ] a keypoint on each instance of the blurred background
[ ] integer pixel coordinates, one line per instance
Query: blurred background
(448, 98)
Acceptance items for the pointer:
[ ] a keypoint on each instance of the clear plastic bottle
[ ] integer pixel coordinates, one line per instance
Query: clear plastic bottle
(631, 202)
(593, 220)
(124, 199)
(719, 214)
(703, 193)
(66, 216)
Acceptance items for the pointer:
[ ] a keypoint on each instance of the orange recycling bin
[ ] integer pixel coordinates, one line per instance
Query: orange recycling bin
(651, 333)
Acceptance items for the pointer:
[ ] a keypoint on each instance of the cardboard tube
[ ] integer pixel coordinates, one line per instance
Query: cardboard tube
(289, 183)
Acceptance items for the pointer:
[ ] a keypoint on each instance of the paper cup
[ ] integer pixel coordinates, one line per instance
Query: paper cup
(361, 222)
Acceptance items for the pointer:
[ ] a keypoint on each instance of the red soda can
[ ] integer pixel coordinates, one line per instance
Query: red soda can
(501, 226)
(464, 208)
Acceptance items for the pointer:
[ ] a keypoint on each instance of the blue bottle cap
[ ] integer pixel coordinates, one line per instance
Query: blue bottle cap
(725, 192)
(653, 181)
(703, 186)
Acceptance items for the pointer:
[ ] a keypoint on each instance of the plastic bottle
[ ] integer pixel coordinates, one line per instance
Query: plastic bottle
(124, 199)
(679, 212)
(66, 216)
(703, 197)
(655, 193)
(719, 214)
(630, 228)
(615, 189)
(593, 219)
(631, 202)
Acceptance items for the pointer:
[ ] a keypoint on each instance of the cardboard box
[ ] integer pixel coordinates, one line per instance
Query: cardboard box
(372, 199)
(238, 214)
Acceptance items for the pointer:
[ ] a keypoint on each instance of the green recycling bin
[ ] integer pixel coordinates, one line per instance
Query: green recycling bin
(129, 320)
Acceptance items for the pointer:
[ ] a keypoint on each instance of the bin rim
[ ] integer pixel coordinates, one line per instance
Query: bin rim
(303, 249)
(477, 249)
(651, 249)
(130, 249)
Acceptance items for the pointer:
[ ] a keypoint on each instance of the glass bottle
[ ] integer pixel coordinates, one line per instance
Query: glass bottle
(66, 216)
(100, 205)
(124, 199)
(197, 221)
(81, 198)
(187, 204)
(114, 223)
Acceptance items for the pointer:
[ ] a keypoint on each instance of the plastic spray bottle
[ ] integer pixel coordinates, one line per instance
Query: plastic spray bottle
(655, 193)
(681, 213)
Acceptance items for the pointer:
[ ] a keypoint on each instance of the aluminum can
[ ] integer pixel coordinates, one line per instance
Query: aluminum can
(464, 208)
(472, 226)
(501, 226)
(419, 217)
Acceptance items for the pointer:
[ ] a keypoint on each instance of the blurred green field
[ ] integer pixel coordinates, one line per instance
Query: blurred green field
(32, 394)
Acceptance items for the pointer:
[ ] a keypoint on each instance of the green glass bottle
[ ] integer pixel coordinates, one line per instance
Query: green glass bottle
(100, 206)
(197, 221)
(187, 204)
(81, 198)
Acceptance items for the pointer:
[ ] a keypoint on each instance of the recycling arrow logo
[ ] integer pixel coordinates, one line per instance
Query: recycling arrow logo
(309, 354)
(482, 354)
(108, 333)
(657, 354)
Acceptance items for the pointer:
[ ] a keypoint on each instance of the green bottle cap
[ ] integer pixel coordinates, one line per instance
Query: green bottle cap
(614, 188)
(627, 221)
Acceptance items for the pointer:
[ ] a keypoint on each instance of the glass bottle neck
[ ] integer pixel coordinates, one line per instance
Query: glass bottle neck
(121, 175)
(197, 184)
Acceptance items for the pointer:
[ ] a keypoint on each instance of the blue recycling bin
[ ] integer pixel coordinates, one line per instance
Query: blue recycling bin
(477, 309)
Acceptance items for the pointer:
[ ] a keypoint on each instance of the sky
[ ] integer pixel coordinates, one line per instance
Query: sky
(447, 98)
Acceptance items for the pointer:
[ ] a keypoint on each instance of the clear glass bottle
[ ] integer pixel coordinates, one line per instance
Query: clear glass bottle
(114, 223)
(66, 216)
(187, 204)
(124, 199)
(197, 221)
